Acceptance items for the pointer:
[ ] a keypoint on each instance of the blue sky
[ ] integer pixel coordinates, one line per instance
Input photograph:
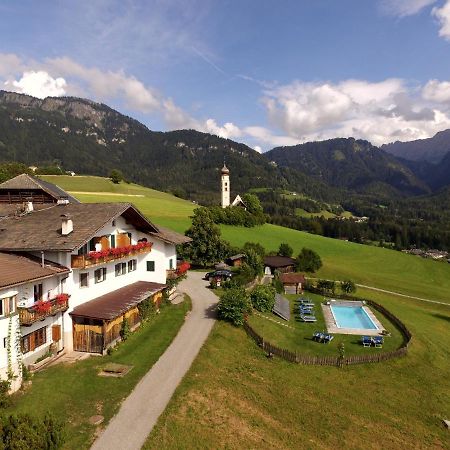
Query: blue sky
(262, 72)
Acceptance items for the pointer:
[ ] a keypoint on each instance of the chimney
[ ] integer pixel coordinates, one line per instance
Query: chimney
(29, 205)
(66, 224)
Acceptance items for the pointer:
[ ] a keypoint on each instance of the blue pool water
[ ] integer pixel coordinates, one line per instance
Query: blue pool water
(352, 317)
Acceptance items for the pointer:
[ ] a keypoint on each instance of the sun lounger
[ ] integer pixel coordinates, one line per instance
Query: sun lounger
(305, 302)
(317, 336)
(366, 341)
(378, 341)
(306, 308)
(308, 318)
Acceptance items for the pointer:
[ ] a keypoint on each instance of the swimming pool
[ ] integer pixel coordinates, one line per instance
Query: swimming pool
(352, 317)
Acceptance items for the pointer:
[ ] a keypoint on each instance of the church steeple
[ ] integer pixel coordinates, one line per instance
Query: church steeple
(225, 180)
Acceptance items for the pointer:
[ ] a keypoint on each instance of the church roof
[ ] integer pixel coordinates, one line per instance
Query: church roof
(225, 170)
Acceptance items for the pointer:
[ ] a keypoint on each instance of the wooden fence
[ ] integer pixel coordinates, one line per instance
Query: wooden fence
(337, 361)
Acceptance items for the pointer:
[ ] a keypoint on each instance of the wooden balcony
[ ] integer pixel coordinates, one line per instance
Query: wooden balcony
(42, 309)
(105, 256)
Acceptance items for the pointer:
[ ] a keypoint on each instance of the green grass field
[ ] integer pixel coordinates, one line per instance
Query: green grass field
(368, 265)
(74, 392)
(298, 337)
(234, 397)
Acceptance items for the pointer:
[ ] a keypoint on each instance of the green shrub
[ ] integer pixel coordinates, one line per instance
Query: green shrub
(263, 298)
(308, 261)
(25, 432)
(285, 250)
(4, 397)
(348, 287)
(278, 285)
(125, 329)
(234, 305)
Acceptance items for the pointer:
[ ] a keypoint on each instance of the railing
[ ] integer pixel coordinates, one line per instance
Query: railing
(105, 256)
(42, 309)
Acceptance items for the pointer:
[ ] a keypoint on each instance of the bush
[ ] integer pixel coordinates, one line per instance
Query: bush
(234, 305)
(263, 298)
(116, 176)
(308, 261)
(125, 330)
(256, 247)
(4, 397)
(24, 432)
(278, 285)
(255, 262)
(348, 287)
(285, 250)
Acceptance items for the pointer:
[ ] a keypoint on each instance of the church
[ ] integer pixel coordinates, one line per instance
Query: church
(225, 189)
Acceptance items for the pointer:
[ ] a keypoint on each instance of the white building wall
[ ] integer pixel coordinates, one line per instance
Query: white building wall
(161, 253)
(225, 185)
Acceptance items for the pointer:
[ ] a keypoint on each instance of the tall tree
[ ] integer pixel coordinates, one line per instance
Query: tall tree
(206, 247)
(308, 261)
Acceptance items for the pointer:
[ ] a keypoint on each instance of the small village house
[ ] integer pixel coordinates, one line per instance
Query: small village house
(282, 264)
(293, 282)
(99, 262)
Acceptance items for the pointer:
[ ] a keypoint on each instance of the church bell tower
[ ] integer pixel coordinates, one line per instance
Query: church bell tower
(225, 178)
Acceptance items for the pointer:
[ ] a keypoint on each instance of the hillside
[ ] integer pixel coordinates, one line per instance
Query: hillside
(431, 150)
(350, 164)
(91, 138)
(373, 266)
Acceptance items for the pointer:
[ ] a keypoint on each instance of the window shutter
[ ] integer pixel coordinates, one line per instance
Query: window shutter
(32, 342)
(56, 333)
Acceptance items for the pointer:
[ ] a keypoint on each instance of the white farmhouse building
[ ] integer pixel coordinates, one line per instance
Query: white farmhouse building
(72, 272)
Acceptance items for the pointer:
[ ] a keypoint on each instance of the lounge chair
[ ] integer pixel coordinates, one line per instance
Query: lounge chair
(308, 318)
(306, 309)
(305, 302)
(327, 338)
(366, 341)
(378, 341)
(318, 336)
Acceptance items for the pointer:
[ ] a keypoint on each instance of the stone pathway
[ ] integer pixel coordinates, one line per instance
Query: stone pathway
(138, 414)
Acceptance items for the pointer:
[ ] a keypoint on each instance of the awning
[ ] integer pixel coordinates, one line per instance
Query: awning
(114, 304)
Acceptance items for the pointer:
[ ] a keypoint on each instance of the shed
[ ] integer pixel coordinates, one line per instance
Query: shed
(236, 260)
(292, 282)
(283, 264)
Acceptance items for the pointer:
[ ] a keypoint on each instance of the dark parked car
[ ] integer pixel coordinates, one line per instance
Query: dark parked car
(224, 274)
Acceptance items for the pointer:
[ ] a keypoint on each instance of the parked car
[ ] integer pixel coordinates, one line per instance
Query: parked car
(224, 274)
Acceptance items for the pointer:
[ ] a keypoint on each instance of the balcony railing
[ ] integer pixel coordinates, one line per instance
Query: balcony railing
(42, 309)
(108, 255)
(182, 268)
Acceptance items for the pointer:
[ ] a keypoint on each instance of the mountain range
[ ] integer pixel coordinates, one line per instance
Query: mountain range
(92, 138)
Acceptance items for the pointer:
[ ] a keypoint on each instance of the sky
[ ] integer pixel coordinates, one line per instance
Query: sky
(264, 72)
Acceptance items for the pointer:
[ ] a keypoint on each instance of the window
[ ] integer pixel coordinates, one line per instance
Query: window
(113, 240)
(34, 340)
(120, 269)
(37, 291)
(84, 279)
(150, 266)
(100, 275)
(170, 263)
(7, 305)
(132, 264)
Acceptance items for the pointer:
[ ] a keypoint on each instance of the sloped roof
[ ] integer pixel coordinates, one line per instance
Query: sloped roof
(170, 236)
(278, 261)
(27, 182)
(17, 269)
(116, 303)
(292, 278)
(41, 230)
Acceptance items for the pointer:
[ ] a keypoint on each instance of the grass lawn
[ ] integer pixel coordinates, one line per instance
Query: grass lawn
(162, 208)
(234, 397)
(299, 336)
(75, 392)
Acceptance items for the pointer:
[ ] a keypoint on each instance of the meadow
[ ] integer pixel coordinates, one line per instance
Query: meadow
(367, 265)
(235, 397)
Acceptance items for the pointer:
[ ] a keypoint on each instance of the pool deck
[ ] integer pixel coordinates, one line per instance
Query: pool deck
(334, 329)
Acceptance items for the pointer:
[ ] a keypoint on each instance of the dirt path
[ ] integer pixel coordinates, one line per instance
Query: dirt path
(129, 428)
(112, 194)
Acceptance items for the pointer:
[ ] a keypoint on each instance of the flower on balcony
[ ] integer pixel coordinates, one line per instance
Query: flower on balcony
(42, 306)
(61, 299)
(183, 268)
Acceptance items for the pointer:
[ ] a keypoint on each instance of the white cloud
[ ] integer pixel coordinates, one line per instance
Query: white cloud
(402, 8)
(437, 91)
(257, 148)
(38, 84)
(443, 16)
(266, 136)
(227, 131)
(380, 112)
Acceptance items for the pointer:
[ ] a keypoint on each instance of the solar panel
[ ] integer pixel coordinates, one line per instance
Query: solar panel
(282, 307)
